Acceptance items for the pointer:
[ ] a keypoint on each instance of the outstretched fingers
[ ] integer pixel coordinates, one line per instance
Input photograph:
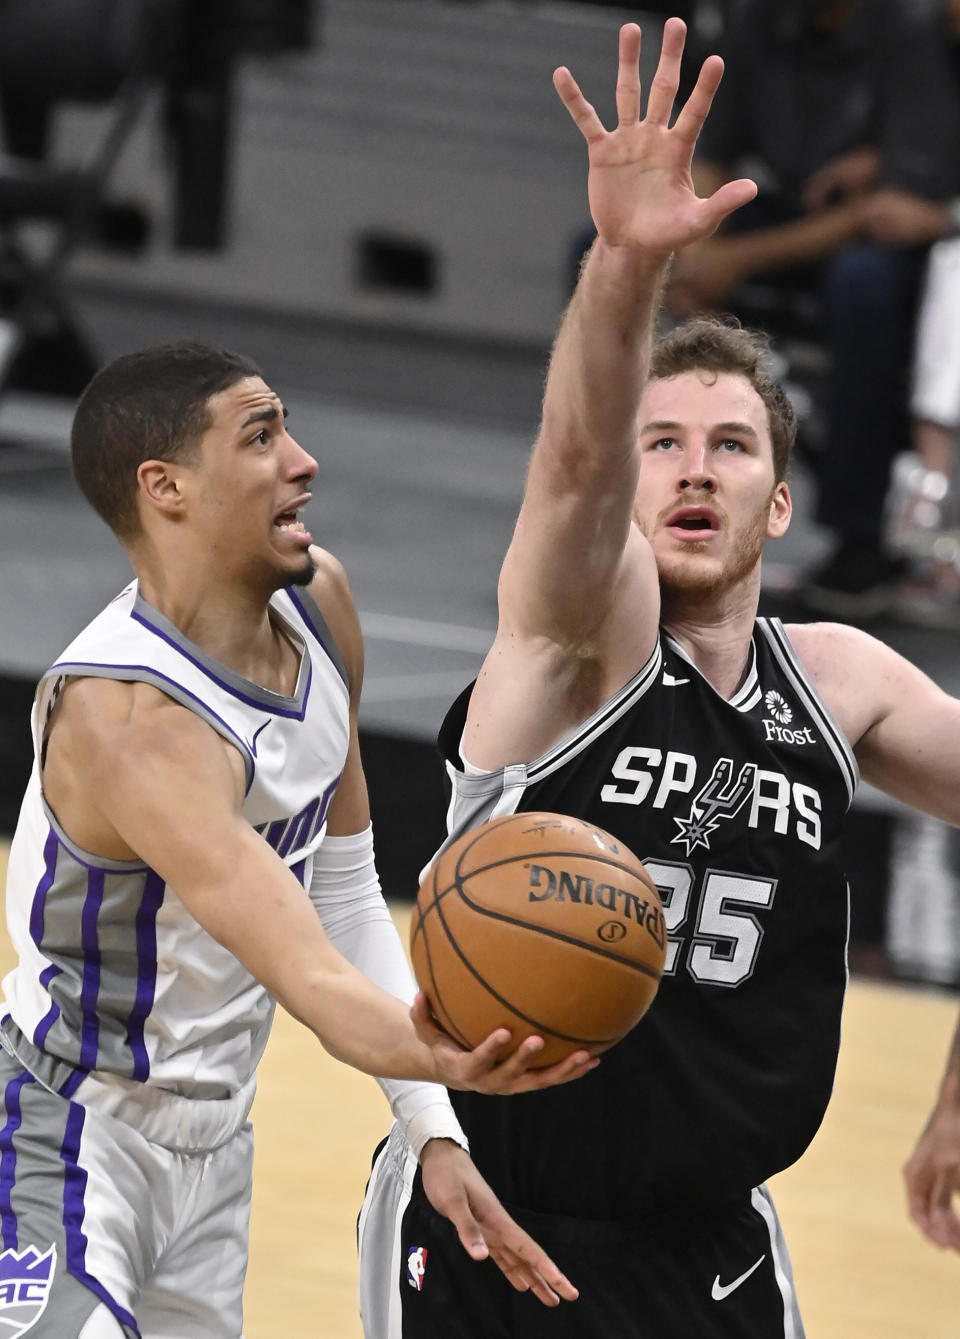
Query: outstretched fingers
(666, 81)
(628, 75)
(732, 195)
(695, 110)
(584, 115)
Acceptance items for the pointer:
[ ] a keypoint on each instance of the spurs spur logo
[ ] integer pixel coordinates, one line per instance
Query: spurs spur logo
(720, 798)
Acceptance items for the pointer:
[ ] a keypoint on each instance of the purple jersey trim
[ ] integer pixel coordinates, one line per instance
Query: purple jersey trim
(84, 858)
(74, 1210)
(147, 674)
(314, 620)
(70, 1086)
(8, 1158)
(153, 892)
(90, 989)
(265, 699)
(43, 887)
(53, 1013)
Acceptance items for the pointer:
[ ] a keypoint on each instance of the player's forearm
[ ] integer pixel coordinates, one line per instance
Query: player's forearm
(360, 1024)
(949, 1094)
(600, 359)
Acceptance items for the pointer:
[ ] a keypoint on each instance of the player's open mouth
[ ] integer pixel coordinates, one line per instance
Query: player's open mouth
(289, 523)
(693, 522)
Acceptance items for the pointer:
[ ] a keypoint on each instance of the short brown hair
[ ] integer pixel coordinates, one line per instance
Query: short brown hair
(721, 344)
(148, 405)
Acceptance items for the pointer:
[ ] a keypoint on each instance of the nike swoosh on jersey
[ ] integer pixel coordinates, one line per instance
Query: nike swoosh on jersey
(256, 735)
(670, 682)
(721, 1290)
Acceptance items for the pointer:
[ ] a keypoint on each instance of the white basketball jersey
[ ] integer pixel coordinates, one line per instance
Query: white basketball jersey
(119, 996)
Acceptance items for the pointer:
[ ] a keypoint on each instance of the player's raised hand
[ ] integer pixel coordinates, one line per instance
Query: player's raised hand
(456, 1189)
(497, 1065)
(639, 183)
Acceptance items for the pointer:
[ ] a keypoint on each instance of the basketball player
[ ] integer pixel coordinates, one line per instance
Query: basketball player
(631, 683)
(197, 786)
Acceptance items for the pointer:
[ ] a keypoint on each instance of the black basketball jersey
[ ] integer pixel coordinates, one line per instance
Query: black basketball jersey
(736, 808)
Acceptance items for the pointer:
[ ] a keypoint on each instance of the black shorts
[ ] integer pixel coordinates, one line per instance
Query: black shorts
(722, 1274)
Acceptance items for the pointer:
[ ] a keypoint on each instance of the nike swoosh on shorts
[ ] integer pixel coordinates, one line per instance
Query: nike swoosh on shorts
(721, 1290)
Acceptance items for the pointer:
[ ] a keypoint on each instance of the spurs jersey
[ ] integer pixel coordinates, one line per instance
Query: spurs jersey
(736, 809)
(119, 996)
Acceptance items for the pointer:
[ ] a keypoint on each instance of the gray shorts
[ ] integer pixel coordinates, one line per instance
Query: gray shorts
(91, 1212)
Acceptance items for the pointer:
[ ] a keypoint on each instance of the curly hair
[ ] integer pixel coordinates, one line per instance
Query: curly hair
(722, 344)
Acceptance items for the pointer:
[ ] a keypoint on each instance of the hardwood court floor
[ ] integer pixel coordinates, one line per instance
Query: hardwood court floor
(862, 1271)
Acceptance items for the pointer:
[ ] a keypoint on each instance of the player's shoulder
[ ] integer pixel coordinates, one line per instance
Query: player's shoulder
(857, 675)
(837, 646)
(330, 576)
(828, 640)
(103, 718)
(330, 590)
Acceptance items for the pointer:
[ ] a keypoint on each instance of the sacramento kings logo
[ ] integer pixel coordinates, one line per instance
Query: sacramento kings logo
(778, 707)
(25, 1278)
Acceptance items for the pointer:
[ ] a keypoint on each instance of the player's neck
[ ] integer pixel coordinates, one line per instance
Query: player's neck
(233, 627)
(716, 634)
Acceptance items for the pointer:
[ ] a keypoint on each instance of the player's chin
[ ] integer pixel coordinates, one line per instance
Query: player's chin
(304, 573)
(690, 572)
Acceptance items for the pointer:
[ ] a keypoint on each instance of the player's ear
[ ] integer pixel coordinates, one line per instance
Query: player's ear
(781, 509)
(159, 484)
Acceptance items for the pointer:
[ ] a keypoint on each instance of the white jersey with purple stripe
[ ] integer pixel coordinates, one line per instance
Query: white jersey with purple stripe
(119, 996)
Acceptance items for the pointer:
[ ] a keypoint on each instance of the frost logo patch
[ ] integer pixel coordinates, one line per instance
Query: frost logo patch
(778, 707)
(416, 1266)
(25, 1279)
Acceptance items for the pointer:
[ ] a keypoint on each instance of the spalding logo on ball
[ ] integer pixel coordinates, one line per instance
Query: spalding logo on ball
(543, 924)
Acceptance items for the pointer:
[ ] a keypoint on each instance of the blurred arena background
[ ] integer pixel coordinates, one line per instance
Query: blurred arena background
(380, 201)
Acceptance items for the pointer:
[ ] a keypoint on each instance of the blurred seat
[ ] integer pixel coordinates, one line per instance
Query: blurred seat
(108, 53)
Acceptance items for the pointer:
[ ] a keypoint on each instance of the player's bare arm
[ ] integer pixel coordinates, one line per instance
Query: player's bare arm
(578, 591)
(932, 1173)
(904, 730)
(132, 775)
(453, 1184)
(330, 588)
(902, 726)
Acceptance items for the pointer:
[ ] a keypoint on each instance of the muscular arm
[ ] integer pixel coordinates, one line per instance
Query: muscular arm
(132, 775)
(578, 590)
(904, 730)
(902, 727)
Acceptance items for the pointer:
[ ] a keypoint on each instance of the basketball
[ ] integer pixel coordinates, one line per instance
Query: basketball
(543, 924)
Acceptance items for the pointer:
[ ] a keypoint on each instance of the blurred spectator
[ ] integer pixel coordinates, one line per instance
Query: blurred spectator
(923, 510)
(822, 103)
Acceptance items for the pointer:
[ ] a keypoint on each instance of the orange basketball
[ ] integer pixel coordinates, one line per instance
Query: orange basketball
(543, 924)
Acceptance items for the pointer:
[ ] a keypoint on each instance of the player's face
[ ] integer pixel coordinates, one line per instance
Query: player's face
(253, 481)
(707, 499)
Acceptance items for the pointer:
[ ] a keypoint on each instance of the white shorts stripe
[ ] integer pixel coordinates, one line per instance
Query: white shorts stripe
(792, 1323)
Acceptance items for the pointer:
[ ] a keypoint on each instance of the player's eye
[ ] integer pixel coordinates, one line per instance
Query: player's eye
(730, 444)
(663, 444)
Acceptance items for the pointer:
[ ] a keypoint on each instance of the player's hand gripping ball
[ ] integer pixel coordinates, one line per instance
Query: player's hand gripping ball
(543, 924)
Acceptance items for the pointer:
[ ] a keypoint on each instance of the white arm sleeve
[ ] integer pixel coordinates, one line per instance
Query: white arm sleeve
(345, 890)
